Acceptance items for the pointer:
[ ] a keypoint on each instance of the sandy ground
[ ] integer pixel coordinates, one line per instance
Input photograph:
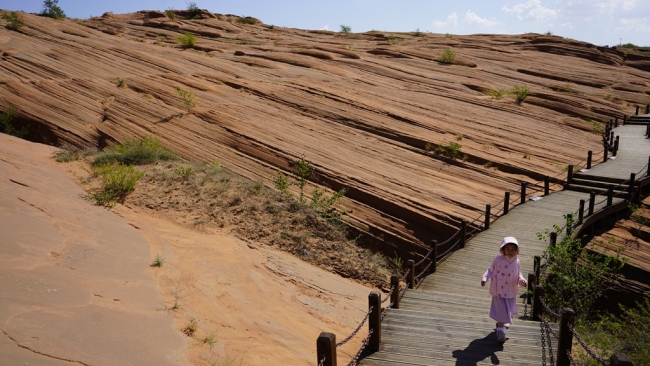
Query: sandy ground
(76, 286)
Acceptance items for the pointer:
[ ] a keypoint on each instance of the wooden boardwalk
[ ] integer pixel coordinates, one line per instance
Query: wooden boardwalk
(445, 320)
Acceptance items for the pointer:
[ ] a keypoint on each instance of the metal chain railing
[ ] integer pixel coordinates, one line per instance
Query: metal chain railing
(322, 360)
(585, 347)
(388, 295)
(547, 330)
(356, 330)
(355, 359)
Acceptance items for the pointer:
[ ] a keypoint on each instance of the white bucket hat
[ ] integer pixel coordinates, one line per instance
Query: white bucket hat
(509, 240)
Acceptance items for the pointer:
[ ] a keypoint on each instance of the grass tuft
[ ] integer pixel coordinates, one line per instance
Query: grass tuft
(187, 40)
(117, 181)
(136, 151)
(247, 20)
(158, 261)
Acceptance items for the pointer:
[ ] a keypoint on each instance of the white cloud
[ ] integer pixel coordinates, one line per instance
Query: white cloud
(326, 27)
(598, 6)
(567, 25)
(452, 20)
(533, 9)
(633, 25)
(472, 18)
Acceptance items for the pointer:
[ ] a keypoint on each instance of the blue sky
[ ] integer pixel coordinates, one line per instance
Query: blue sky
(602, 22)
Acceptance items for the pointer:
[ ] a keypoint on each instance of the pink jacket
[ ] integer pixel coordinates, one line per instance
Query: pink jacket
(506, 275)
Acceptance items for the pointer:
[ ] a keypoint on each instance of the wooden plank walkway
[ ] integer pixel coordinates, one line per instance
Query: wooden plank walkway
(445, 321)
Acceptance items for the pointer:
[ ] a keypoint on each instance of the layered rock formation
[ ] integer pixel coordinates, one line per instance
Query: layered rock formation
(365, 109)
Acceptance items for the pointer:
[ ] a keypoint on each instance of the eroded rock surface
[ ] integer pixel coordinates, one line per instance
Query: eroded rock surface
(361, 107)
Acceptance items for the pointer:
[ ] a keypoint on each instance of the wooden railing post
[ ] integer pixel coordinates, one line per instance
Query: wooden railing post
(637, 111)
(630, 188)
(374, 320)
(620, 360)
(487, 216)
(592, 202)
(394, 296)
(647, 108)
(506, 203)
(589, 156)
(567, 317)
(647, 171)
(616, 122)
(410, 264)
(611, 137)
(538, 292)
(547, 183)
(605, 154)
(434, 256)
(610, 195)
(582, 211)
(463, 233)
(569, 174)
(537, 263)
(523, 192)
(531, 287)
(615, 147)
(326, 347)
(553, 239)
(647, 131)
(624, 120)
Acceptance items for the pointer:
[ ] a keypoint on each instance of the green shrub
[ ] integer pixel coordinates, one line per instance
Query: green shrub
(189, 99)
(52, 10)
(6, 127)
(498, 93)
(346, 29)
(281, 183)
(14, 20)
(187, 40)
(520, 92)
(597, 128)
(135, 151)
(447, 56)
(323, 205)
(185, 172)
(451, 150)
(194, 10)
(575, 278)
(170, 14)
(417, 33)
(447, 35)
(247, 20)
(117, 181)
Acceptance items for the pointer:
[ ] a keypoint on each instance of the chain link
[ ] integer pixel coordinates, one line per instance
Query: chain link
(548, 330)
(388, 295)
(546, 308)
(541, 331)
(571, 360)
(322, 360)
(355, 359)
(424, 271)
(356, 330)
(584, 346)
(383, 313)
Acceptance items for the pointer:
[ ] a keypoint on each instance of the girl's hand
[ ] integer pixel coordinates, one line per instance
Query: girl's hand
(482, 283)
(523, 283)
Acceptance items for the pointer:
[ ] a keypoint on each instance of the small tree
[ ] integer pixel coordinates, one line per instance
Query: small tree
(194, 10)
(304, 168)
(170, 14)
(345, 29)
(14, 20)
(575, 278)
(189, 99)
(447, 56)
(51, 9)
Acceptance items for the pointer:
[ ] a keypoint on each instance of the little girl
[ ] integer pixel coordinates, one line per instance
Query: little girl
(505, 273)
